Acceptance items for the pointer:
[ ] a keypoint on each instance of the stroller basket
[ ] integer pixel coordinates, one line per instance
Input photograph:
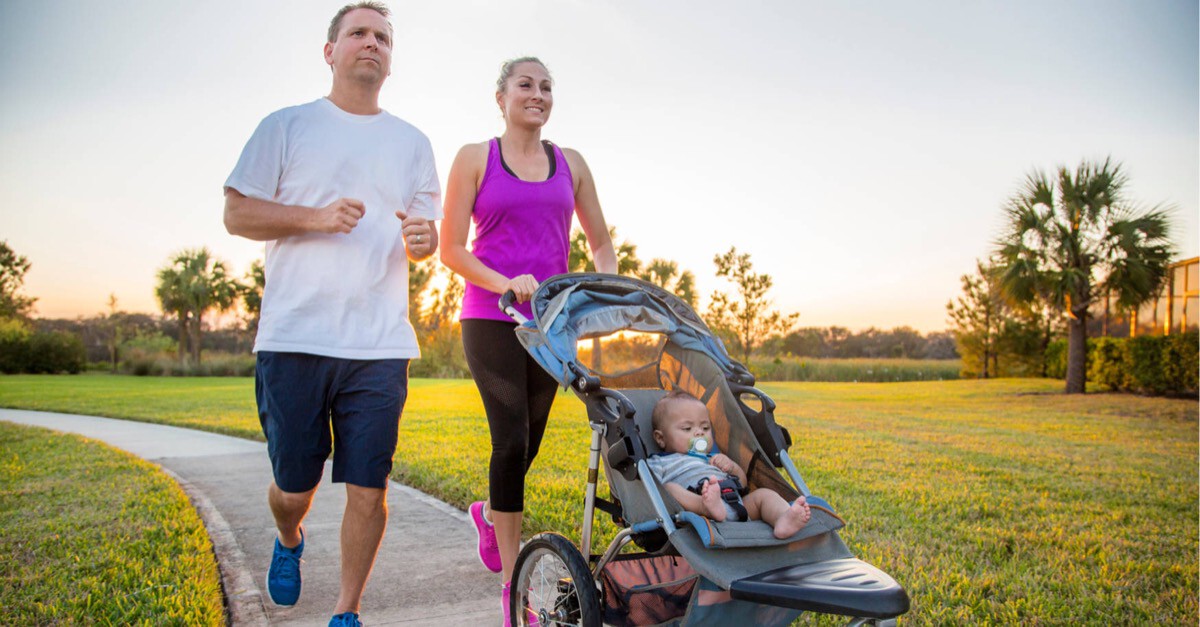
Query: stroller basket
(664, 590)
(704, 572)
(646, 590)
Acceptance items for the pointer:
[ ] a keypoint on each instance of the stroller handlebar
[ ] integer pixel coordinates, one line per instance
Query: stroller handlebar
(507, 300)
(614, 405)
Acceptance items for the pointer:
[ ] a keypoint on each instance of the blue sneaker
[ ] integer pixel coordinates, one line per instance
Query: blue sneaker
(283, 579)
(345, 619)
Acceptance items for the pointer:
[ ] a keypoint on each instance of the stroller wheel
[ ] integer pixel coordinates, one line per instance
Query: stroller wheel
(552, 585)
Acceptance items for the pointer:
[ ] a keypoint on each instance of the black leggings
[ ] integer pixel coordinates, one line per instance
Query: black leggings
(517, 395)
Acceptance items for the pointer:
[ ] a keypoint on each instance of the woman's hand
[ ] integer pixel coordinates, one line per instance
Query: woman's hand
(523, 286)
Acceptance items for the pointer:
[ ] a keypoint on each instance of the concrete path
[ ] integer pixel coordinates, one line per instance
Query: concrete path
(427, 572)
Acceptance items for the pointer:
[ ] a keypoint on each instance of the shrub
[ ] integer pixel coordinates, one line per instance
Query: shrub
(215, 365)
(14, 345)
(442, 355)
(149, 343)
(1181, 362)
(1145, 364)
(52, 353)
(1056, 359)
(39, 353)
(148, 354)
(1107, 363)
(223, 365)
(13, 329)
(1150, 364)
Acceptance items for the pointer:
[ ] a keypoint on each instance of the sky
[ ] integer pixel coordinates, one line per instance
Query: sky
(861, 152)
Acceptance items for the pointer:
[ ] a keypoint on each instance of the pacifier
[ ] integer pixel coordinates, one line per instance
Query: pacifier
(698, 447)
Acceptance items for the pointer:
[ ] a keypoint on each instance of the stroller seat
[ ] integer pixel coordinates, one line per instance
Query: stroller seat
(713, 534)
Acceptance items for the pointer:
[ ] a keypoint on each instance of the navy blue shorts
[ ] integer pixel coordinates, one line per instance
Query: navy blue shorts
(309, 405)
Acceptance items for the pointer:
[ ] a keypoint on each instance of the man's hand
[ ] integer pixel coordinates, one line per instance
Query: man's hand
(419, 238)
(339, 216)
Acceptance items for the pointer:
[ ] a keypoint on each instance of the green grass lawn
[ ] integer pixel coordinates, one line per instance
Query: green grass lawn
(92, 535)
(991, 501)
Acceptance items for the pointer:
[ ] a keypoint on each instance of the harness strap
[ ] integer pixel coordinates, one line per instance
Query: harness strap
(729, 493)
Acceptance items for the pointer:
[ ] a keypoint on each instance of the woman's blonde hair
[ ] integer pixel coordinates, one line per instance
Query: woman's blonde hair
(506, 70)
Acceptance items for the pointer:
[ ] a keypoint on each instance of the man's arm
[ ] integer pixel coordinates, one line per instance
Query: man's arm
(263, 220)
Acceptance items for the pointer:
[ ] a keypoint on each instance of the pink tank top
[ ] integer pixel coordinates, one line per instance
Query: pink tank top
(521, 227)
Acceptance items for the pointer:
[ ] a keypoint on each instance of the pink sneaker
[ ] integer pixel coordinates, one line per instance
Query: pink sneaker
(489, 552)
(505, 595)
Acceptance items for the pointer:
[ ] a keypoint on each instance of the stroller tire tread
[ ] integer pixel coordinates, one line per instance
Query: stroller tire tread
(555, 594)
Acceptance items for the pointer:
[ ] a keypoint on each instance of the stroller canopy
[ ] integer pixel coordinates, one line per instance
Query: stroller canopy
(572, 307)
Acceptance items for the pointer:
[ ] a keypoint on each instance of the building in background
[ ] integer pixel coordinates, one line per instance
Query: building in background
(1177, 308)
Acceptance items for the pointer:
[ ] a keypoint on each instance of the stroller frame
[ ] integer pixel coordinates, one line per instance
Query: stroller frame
(832, 582)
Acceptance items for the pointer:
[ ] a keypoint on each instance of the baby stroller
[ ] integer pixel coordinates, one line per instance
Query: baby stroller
(692, 571)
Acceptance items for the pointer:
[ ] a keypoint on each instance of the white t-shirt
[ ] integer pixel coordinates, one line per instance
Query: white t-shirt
(339, 295)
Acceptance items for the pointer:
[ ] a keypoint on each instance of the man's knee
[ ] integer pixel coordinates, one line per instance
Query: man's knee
(290, 500)
(365, 501)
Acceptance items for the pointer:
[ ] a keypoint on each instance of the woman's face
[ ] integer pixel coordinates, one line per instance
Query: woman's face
(526, 100)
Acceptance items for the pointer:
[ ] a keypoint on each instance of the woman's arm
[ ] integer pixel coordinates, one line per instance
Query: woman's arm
(591, 218)
(461, 189)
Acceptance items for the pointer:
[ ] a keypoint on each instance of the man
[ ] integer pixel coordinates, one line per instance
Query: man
(341, 192)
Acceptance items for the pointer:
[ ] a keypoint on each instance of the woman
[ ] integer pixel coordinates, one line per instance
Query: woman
(520, 192)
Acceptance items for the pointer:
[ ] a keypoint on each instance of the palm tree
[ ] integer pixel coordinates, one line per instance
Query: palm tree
(1071, 238)
(580, 257)
(252, 293)
(171, 292)
(190, 286)
(666, 274)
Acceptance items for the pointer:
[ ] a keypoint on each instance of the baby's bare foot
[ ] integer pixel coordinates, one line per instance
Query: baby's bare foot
(713, 504)
(793, 520)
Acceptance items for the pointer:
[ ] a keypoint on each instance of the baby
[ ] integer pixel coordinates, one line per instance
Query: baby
(683, 431)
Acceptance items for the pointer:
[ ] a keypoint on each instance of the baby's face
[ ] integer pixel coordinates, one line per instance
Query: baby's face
(685, 421)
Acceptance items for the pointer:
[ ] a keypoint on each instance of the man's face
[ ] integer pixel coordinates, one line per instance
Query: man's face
(363, 50)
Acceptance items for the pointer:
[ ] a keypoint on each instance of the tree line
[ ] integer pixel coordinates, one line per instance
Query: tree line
(194, 287)
(1070, 238)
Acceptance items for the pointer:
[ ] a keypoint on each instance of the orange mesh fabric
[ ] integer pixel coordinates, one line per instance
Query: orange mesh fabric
(646, 590)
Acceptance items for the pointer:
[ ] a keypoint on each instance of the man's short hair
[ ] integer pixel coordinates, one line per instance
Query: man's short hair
(335, 24)
(663, 406)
